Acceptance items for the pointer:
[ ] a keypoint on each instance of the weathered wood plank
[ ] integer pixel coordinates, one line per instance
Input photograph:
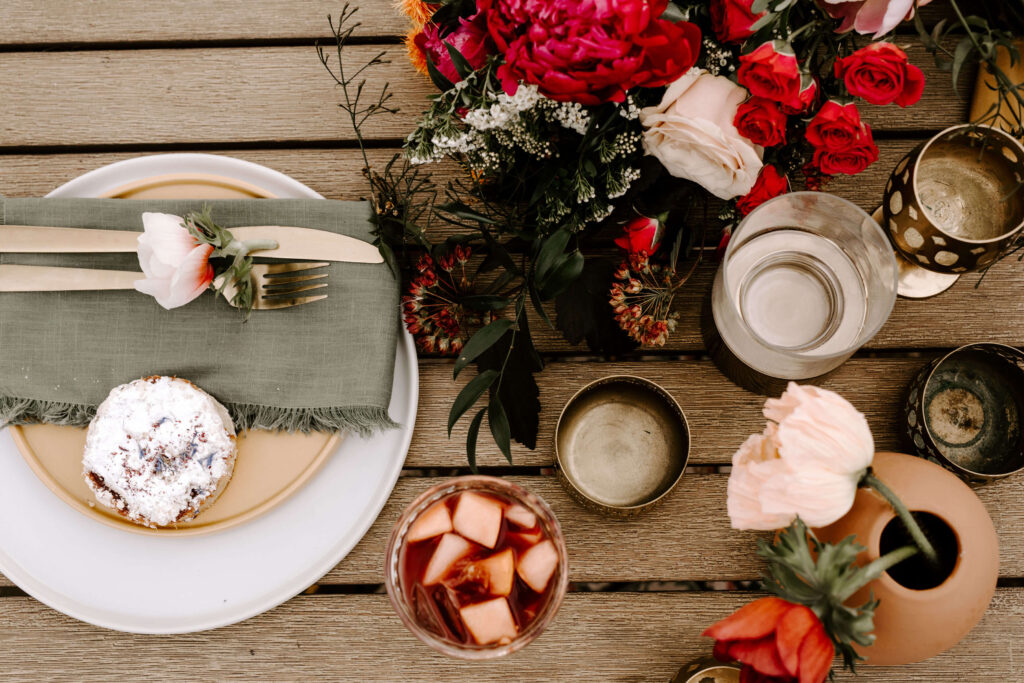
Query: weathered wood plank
(686, 538)
(98, 21)
(116, 21)
(254, 94)
(595, 637)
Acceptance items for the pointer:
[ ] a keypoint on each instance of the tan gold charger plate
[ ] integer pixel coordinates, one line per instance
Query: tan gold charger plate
(262, 477)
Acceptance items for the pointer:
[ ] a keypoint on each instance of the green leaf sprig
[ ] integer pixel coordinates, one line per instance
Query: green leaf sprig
(238, 273)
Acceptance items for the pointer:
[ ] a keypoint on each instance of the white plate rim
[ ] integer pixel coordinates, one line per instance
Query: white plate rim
(99, 180)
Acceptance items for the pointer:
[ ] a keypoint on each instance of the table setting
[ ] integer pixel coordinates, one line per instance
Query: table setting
(489, 339)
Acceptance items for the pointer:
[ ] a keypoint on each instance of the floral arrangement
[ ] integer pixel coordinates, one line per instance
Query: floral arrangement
(805, 468)
(576, 124)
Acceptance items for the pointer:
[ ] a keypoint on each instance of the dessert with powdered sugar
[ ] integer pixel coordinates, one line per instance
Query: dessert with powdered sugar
(159, 451)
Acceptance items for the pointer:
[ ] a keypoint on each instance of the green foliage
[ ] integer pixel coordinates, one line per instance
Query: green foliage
(823, 576)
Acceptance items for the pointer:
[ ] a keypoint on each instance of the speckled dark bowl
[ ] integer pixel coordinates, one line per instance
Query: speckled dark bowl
(964, 412)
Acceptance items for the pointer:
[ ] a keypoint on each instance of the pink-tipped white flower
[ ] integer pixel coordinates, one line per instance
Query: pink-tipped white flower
(176, 265)
(807, 462)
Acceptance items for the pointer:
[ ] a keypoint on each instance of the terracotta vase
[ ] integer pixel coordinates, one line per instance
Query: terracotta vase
(911, 625)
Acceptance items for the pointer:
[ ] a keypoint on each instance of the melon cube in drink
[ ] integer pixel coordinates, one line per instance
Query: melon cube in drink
(489, 622)
(434, 522)
(499, 570)
(537, 564)
(478, 518)
(450, 550)
(521, 517)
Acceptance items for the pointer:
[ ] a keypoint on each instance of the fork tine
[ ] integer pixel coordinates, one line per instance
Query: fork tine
(278, 269)
(272, 304)
(287, 292)
(282, 280)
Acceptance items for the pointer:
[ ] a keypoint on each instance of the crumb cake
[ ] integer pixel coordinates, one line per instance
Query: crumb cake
(159, 451)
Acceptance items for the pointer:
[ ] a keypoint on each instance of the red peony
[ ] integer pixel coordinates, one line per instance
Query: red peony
(836, 127)
(769, 184)
(776, 641)
(640, 235)
(761, 121)
(589, 51)
(880, 73)
(732, 20)
(469, 38)
(771, 71)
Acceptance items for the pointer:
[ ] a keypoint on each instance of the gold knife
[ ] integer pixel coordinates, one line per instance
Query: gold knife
(292, 242)
(16, 278)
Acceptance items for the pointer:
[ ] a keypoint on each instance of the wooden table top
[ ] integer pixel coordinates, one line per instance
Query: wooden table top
(87, 82)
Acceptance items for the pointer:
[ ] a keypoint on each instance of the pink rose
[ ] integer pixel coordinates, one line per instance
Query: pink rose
(871, 16)
(177, 267)
(640, 235)
(589, 51)
(470, 39)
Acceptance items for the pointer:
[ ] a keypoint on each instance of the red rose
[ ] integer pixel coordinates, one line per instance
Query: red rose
(776, 639)
(769, 184)
(836, 127)
(732, 20)
(880, 73)
(771, 71)
(851, 160)
(640, 235)
(804, 98)
(761, 121)
(589, 51)
(469, 38)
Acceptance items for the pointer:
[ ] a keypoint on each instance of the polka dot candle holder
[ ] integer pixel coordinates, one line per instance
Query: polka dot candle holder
(953, 204)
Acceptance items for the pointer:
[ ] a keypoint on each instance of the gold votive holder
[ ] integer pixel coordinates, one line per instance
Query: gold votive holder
(707, 670)
(964, 411)
(621, 445)
(953, 204)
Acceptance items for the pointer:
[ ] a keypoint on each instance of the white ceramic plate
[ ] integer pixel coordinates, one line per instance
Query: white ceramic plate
(147, 584)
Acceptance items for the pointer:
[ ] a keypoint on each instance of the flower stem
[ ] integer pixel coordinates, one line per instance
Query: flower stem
(901, 510)
(876, 568)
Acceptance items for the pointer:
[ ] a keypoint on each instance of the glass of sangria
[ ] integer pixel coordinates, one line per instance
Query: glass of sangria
(476, 567)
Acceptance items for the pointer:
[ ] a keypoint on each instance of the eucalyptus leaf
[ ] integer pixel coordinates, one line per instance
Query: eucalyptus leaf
(461, 64)
(472, 435)
(469, 395)
(480, 342)
(759, 6)
(440, 81)
(563, 276)
(485, 302)
(500, 430)
(673, 13)
(538, 306)
(963, 49)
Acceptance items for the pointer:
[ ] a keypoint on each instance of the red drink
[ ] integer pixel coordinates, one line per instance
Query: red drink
(477, 567)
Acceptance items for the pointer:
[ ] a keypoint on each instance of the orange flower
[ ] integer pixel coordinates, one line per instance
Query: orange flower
(417, 10)
(776, 639)
(416, 56)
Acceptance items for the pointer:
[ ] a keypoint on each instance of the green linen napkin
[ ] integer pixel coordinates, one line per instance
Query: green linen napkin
(324, 366)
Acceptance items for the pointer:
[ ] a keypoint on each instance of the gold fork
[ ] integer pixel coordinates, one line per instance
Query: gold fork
(273, 285)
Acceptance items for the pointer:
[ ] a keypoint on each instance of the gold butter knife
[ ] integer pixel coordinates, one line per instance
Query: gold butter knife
(292, 242)
(16, 278)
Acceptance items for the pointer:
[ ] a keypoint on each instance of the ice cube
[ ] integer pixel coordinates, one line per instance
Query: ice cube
(478, 518)
(434, 522)
(449, 550)
(537, 564)
(489, 622)
(521, 517)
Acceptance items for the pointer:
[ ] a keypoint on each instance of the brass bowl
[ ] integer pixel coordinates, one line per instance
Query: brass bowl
(964, 411)
(621, 445)
(707, 670)
(953, 204)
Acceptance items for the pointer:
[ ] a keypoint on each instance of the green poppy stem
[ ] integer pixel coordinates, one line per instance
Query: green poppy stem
(876, 568)
(869, 479)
